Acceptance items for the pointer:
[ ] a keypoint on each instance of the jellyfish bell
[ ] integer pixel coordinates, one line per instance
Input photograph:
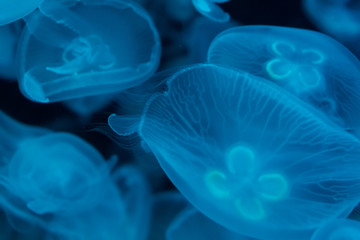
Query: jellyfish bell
(310, 65)
(66, 51)
(338, 229)
(248, 154)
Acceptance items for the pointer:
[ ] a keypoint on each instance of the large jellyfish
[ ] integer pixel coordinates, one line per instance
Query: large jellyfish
(248, 154)
(71, 49)
(338, 229)
(61, 184)
(312, 66)
(12, 10)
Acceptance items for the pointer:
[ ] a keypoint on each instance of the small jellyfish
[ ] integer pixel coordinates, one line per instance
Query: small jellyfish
(165, 207)
(12, 10)
(190, 224)
(59, 177)
(339, 19)
(338, 229)
(310, 65)
(73, 49)
(199, 36)
(209, 9)
(248, 154)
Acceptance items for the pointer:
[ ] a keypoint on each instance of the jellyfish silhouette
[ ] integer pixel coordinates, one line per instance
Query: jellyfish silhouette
(248, 154)
(61, 184)
(209, 9)
(338, 229)
(12, 10)
(312, 66)
(67, 52)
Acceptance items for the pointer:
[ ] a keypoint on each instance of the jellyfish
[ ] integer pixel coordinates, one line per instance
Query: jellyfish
(165, 208)
(310, 65)
(209, 9)
(199, 36)
(190, 224)
(9, 35)
(72, 49)
(248, 154)
(339, 19)
(85, 107)
(12, 10)
(338, 229)
(61, 184)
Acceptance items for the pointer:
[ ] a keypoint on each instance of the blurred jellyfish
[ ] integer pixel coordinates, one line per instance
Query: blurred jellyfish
(338, 229)
(190, 224)
(9, 35)
(247, 154)
(72, 49)
(209, 9)
(339, 19)
(85, 107)
(312, 66)
(60, 183)
(165, 207)
(199, 36)
(12, 10)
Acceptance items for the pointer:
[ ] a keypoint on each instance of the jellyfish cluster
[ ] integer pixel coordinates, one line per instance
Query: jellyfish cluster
(179, 120)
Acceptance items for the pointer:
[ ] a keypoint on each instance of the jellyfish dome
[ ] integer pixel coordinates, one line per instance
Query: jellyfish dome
(338, 229)
(72, 49)
(12, 10)
(209, 9)
(311, 65)
(248, 154)
(62, 185)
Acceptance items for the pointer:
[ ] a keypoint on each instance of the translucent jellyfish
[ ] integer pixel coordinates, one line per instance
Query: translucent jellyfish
(85, 107)
(165, 207)
(9, 35)
(248, 154)
(199, 36)
(72, 49)
(312, 66)
(209, 9)
(12, 10)
(190, 224)
(338, 229)
(340, 19)
(61, 184)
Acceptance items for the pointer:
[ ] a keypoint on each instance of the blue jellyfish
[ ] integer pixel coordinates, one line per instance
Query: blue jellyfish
(71, 49)
(9, 35)
(209, 9)
(190, 224)
(85, 107)
(165, 207)
(312, 66)
(199, 36)
(248, 154)
(12, 10)
(61, 184)
(338, 229)
(339, 19)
